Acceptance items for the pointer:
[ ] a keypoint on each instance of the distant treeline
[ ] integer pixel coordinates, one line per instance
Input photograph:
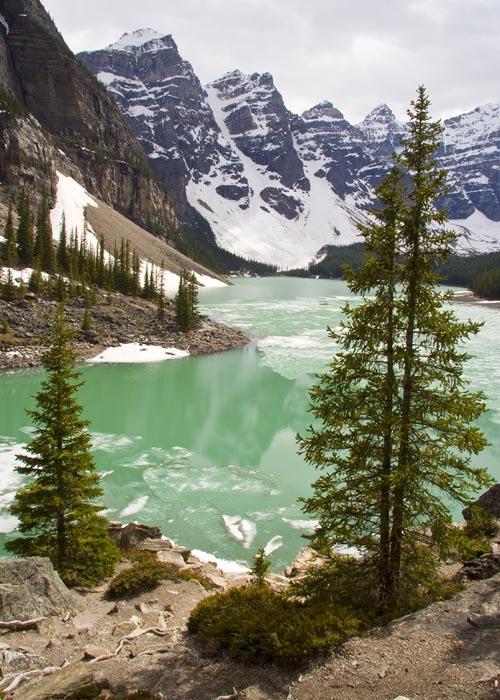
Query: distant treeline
(479, 273)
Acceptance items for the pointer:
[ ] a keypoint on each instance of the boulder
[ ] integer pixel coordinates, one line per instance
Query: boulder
(173, 558)
(65, 682)
(29, 588)
(489, 501)
(131, 535)
(483, 567)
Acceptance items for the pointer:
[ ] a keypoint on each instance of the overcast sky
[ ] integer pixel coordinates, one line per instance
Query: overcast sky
(355, 53)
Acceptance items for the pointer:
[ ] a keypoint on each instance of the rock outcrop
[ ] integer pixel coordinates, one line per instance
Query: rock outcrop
(488, 501)
(30, 588)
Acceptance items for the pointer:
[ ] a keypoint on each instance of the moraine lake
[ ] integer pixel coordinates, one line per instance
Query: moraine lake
(205, 447)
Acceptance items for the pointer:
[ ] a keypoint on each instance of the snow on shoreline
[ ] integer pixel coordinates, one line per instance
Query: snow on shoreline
(137, 352)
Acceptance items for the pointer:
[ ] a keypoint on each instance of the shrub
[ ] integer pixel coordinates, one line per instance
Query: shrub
(346, 585)
(481, 524)
(147, 573)
(257, 625)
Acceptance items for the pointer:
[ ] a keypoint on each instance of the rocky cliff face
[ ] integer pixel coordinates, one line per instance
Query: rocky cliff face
(41, 77)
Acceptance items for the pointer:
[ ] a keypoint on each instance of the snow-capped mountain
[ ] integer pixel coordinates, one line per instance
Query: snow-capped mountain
(275, 186)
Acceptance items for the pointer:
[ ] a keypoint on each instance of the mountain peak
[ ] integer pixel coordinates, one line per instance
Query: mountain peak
(323, 110)
(381, 111)
(137, 39)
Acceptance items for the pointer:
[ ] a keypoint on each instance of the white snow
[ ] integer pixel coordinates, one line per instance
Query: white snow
(261, 233)
(107, 78)
(72, 200)
(135, 39)
(18, 276)
(477, 234)
(4, 23)
(207, 281)
(137, 352)
(470, 130)
(140, 111)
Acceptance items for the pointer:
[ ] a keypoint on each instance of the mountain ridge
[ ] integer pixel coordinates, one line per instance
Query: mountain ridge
(256, 172)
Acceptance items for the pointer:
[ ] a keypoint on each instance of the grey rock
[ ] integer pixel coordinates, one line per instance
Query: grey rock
(483, 567)
(129, 536)
(489, 501)
(30, 587)
(65, 682)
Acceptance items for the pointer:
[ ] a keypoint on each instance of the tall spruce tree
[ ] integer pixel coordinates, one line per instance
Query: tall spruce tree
(395, 416)
(56, 509)
(10, 255)
(25, 236)
(44, 249)
(186, 302)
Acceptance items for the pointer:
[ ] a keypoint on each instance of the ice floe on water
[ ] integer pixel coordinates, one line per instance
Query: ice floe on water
(108, 442)
(136, 506)
(275, 543)
(306, 525)
(240, 529)
(10, 481)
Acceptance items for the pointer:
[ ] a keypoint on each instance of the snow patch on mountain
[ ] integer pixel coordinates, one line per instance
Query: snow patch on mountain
(472, 129)
(71, 202)
(258, 231)
(138, 38)
(477, 234)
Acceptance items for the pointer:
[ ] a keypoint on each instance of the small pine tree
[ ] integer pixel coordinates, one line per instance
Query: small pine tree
(259, 568)
(87, 320)
(35, 283)
(4, 328)
(56, 509)
(9, 289)
(60, 288)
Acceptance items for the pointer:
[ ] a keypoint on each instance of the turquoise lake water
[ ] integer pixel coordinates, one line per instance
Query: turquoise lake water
(205, 447)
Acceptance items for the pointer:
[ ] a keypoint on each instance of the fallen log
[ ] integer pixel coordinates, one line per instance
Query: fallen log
(15, 625)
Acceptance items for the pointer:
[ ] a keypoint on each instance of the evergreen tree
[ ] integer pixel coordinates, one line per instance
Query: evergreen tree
(396, 430)
(56, 509)
(44, 250)
(35, 283)
(10, 255)
(62, 247)
(8, 287)
(25, 237)
(161, 294)
(186, 302)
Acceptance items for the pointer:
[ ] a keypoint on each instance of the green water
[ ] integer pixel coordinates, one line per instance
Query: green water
(205, 447)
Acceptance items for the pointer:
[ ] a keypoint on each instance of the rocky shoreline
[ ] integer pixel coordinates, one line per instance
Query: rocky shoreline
(125, 320)
(75, 639)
